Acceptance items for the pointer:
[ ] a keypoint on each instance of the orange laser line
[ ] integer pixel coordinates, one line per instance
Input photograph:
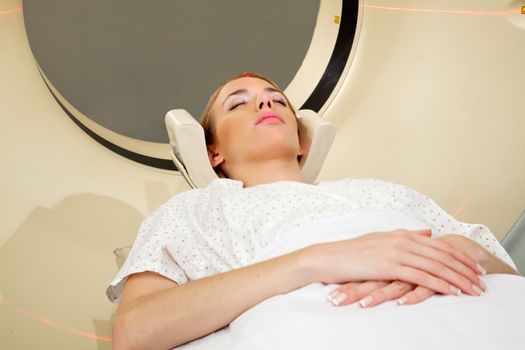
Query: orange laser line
(11, 10)
(452, 12)
(51, 323)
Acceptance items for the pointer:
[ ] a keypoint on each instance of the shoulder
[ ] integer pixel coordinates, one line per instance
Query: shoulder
(378, 188)
(196, 195)
(369, 183)
(190, 203)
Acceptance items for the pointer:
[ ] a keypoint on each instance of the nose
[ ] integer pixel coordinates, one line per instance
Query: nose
(263, 102)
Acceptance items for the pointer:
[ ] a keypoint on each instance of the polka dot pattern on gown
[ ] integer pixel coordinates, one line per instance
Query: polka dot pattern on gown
(224, 226)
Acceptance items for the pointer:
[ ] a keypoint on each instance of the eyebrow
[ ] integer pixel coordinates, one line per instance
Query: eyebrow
(245, 91)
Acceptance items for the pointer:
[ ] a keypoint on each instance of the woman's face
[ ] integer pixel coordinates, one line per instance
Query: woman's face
(252, 122)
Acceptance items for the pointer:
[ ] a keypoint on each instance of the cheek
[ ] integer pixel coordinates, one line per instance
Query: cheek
(289, 116)
(229, 133)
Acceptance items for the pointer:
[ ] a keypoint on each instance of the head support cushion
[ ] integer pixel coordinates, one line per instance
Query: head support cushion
(188, 146)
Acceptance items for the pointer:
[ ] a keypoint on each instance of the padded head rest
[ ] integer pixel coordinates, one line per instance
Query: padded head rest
(188, 146)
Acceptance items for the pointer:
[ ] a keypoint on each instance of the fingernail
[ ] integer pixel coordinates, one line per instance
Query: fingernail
(366, 301)
(454, 290)
(483, 285)
(331, 297)
(402, 300)
(481, 269)
(336, 298)
(477, 290)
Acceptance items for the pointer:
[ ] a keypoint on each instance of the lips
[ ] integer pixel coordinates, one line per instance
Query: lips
(269, 118)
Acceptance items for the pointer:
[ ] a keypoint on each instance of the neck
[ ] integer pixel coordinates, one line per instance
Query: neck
(263, 172)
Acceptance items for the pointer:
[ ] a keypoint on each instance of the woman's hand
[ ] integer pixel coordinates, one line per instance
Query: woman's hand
(408, 256)
(372, 293)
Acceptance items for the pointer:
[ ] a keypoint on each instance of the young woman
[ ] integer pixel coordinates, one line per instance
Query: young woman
(191, 270)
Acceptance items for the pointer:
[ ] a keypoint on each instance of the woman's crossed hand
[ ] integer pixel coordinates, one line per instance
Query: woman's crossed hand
(372, 293)
(405, 265)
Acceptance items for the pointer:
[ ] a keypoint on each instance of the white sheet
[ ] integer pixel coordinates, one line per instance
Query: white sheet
(303, 319)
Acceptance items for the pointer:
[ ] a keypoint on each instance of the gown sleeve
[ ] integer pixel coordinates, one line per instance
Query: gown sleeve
(149, 251)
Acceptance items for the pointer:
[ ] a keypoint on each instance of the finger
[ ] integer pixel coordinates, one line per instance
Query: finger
(442, 271)
(456, 253)
(351, 292)
(416, 296)
(450, 262)
(391, 291)
(444, 246)
(340, 294)
(420, 277)
(430, 249)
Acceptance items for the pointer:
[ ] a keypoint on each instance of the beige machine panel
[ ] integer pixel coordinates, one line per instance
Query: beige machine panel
(433, 99)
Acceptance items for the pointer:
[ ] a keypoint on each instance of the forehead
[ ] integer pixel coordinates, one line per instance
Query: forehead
(248, 83)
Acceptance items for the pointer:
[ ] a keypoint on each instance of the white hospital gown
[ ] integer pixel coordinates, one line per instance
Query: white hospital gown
(224, 226)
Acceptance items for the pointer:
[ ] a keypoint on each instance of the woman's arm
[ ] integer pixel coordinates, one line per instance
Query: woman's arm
(155, 313)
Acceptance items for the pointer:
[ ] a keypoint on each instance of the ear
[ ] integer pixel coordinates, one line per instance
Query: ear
(214, 156)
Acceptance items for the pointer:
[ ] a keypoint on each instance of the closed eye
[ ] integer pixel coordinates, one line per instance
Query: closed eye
(235, 105)
(280, 101)
(277, 97)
